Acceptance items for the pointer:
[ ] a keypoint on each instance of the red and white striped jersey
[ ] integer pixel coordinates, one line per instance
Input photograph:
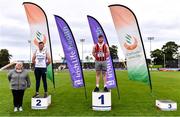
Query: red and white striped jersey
(100, 51)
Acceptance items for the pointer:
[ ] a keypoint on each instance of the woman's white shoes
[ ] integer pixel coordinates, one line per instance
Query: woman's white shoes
(20, 109)
(16, 109)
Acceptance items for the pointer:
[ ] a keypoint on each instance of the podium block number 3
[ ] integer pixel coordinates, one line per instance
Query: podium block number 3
(102, 99)
(38, 103)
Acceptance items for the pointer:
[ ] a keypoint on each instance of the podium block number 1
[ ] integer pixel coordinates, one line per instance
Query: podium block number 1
(38, 103)
(102, 99)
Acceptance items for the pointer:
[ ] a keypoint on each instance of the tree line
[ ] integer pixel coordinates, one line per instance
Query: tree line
(168, 52)
(4, 57)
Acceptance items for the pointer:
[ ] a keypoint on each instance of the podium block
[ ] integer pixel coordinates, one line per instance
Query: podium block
(101, 101)
(40, 103)
(166, 105)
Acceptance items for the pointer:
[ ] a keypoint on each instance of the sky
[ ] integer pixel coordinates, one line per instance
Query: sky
(157, 18)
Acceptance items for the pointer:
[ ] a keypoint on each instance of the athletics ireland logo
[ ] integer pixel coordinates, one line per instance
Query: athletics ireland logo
(131, 42)
(39, 37)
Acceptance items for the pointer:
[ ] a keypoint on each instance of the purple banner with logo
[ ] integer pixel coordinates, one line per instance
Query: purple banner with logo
(96, 30)
(71, 52)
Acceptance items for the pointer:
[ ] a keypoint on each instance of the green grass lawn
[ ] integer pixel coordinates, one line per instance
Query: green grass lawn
(135, 97)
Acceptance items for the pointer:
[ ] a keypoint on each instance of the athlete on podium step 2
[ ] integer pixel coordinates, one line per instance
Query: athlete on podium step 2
(41, 59)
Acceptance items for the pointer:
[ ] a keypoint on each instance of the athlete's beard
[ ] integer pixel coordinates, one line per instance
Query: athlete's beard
(40, 49)
(100, 42)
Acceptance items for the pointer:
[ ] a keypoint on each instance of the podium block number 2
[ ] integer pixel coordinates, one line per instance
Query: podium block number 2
(102, 99)
(169, 106)
(38, 103)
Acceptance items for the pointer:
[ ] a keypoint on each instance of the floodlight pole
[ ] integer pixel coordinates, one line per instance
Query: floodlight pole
(29, 41)
(82, 40)
(150, 39)
(164, 60)
(178, 59)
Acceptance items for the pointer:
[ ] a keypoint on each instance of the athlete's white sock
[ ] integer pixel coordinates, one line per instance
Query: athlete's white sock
(97, 85)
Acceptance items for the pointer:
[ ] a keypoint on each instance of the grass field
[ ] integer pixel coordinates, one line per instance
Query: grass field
(135, 97)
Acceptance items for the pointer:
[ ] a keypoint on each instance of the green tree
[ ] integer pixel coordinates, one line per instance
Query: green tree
(114, 52)
(170, 49)
(63, 59)
(157, 56)
(87, 58)
(4, 57)
(91, 58)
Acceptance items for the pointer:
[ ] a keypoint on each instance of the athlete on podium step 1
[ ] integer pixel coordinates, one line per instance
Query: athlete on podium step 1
(100, 52)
